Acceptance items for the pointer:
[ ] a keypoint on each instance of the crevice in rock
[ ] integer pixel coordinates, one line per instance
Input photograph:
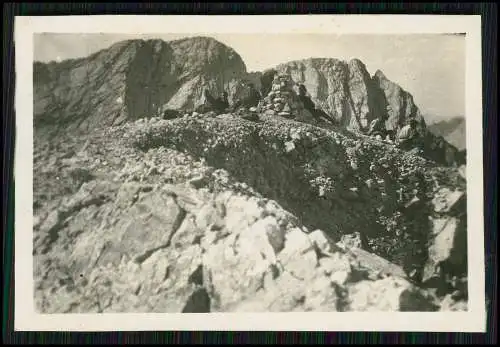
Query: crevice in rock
(319, 253)
(196, 277)
(220, 235)
(71, 307)
(198, 302)
(104, 247)
(143, 257)
(262, 281)
(235, 243)
(294, 275)
(301, 300)
(177, 224)
(413, 300)
(358, 274)
(280, 265)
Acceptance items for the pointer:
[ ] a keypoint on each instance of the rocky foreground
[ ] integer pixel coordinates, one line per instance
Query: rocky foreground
(227, 215)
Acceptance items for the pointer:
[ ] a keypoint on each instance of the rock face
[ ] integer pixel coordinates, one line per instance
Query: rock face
(399, 103)
(178, 249)
(346, 91)
(282, 100)
(449, 237)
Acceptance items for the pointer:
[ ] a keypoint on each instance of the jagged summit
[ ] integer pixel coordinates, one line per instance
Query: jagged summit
(227, 215)
(312, 61)
(316, 60)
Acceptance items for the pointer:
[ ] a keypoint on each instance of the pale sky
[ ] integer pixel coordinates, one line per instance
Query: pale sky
(430, 67)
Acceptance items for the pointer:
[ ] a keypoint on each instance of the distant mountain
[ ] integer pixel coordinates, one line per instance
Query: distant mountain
(130, 80)
(452, 130)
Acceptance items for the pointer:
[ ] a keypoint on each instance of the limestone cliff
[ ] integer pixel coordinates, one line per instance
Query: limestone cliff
(346, 91)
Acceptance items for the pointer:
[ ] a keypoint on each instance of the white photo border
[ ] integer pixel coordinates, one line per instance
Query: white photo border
(26, 319)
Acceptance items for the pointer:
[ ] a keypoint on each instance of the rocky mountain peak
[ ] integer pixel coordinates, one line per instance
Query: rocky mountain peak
(358, 63)
(218, 212)
(158, 215)
(380, 75)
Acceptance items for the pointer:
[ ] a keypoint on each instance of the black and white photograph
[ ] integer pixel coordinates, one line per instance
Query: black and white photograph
(173, 169)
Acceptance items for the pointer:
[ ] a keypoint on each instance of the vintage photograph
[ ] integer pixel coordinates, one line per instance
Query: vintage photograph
(249, 172)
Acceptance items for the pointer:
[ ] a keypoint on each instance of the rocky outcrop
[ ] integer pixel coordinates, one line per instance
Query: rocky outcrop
(436, 148)
(359, 182)
(177, 249)
(346, 91)
(399, 104)
(343, 90)
(170, 233)
(448, 247)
